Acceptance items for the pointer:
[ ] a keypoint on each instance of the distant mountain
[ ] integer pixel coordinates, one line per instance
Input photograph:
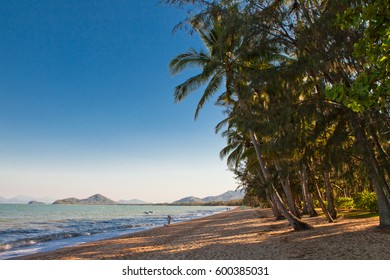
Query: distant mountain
(23, 199)
(96, 199)
(47, 200)
(189, 199)
(132, 201)
(227, 196)
(70, 200)
(33, 202)
(20, 199)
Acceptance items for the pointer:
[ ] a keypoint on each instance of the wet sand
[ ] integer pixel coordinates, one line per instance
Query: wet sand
(248, 234)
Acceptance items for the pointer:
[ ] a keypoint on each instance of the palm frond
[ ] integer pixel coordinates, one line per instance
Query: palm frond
(221, 125)
(227, 151)
(208, 38)
(235, 157)
(184, 89)
(211, 89)
(191, 58)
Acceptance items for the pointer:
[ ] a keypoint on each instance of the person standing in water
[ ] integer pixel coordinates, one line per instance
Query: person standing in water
(169, 219)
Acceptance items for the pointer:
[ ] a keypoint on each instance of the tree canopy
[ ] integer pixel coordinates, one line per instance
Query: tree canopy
(304, 86)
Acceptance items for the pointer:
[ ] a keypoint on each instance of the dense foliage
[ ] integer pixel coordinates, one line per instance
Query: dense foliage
(304, 86)
(366, 200)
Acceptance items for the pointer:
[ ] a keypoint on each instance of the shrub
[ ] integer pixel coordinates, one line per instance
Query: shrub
(317, 204)
(366, 201)
(344, 203)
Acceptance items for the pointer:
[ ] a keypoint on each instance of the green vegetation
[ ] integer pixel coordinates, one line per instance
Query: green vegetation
(366, 200)
(363, 201)
(304, 86)
(345, 203)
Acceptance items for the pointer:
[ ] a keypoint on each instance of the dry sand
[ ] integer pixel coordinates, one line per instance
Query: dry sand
(240, 234)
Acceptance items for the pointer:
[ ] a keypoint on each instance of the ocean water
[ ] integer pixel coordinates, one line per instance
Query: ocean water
(27, 229)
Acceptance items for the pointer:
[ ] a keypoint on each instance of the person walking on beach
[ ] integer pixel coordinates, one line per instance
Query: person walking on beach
(169, 219)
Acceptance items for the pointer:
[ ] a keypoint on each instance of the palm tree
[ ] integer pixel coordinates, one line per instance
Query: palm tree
(218, 64)
(213, 71)
(328, 109)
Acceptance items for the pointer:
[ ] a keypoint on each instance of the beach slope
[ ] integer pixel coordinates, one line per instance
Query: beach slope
(239, 234)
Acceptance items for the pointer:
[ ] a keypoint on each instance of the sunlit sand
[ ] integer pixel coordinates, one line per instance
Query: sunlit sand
(240, 234)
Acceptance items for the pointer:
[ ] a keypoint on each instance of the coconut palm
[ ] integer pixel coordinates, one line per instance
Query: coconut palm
(328, 107)
(213, 71)
(222, 62)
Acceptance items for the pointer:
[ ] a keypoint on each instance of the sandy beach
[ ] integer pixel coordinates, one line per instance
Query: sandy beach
(240, 234)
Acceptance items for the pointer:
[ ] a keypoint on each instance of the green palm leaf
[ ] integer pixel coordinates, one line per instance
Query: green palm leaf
(191, 58)
(211, 89)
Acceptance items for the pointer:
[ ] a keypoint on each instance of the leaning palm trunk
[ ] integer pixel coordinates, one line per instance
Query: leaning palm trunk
(259, 155)
(307, 197)
(322, 204)
(285, 182)
(318, 195)
(383, 158)
(274, 206)
(371, 164)
(295, 222)
(305, 209)
(329, 196)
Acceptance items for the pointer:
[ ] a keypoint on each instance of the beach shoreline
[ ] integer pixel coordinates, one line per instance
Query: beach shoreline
(58, 226)
(238, 234)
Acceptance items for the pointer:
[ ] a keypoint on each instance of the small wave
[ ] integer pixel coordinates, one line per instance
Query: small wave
(97, 228)
(5, 247)
(61, 231)
(33, 241)
(16, 244)
(18, 231)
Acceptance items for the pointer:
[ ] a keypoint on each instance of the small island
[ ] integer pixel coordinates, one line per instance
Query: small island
(33, 202)
(96, 199)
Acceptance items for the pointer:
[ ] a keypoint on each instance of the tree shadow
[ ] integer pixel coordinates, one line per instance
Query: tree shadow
(242, 235)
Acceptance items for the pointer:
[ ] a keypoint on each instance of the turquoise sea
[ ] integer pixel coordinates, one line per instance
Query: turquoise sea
(27, 229)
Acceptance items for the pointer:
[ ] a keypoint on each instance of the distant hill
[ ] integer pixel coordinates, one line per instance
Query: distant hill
(20, 199)
(227, 196)
(132, 201)
(23, 199)
(188, 199)
(96, 199)
(70, 200)
(33, 202)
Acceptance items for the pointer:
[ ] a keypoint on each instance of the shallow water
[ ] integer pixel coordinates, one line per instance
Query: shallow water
(27, 229)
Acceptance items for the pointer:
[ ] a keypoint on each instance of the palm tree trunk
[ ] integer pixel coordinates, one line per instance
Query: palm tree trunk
(329, 196)
(322, 204)
(318, 195)
(369, 160)
(275, 210)
(305, 209)
(383, 158)
(285, 182)
(295, 222)
(259, 155)
(307, 197)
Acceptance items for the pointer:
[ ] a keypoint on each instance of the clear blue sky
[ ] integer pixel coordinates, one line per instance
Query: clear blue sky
(86, 104)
